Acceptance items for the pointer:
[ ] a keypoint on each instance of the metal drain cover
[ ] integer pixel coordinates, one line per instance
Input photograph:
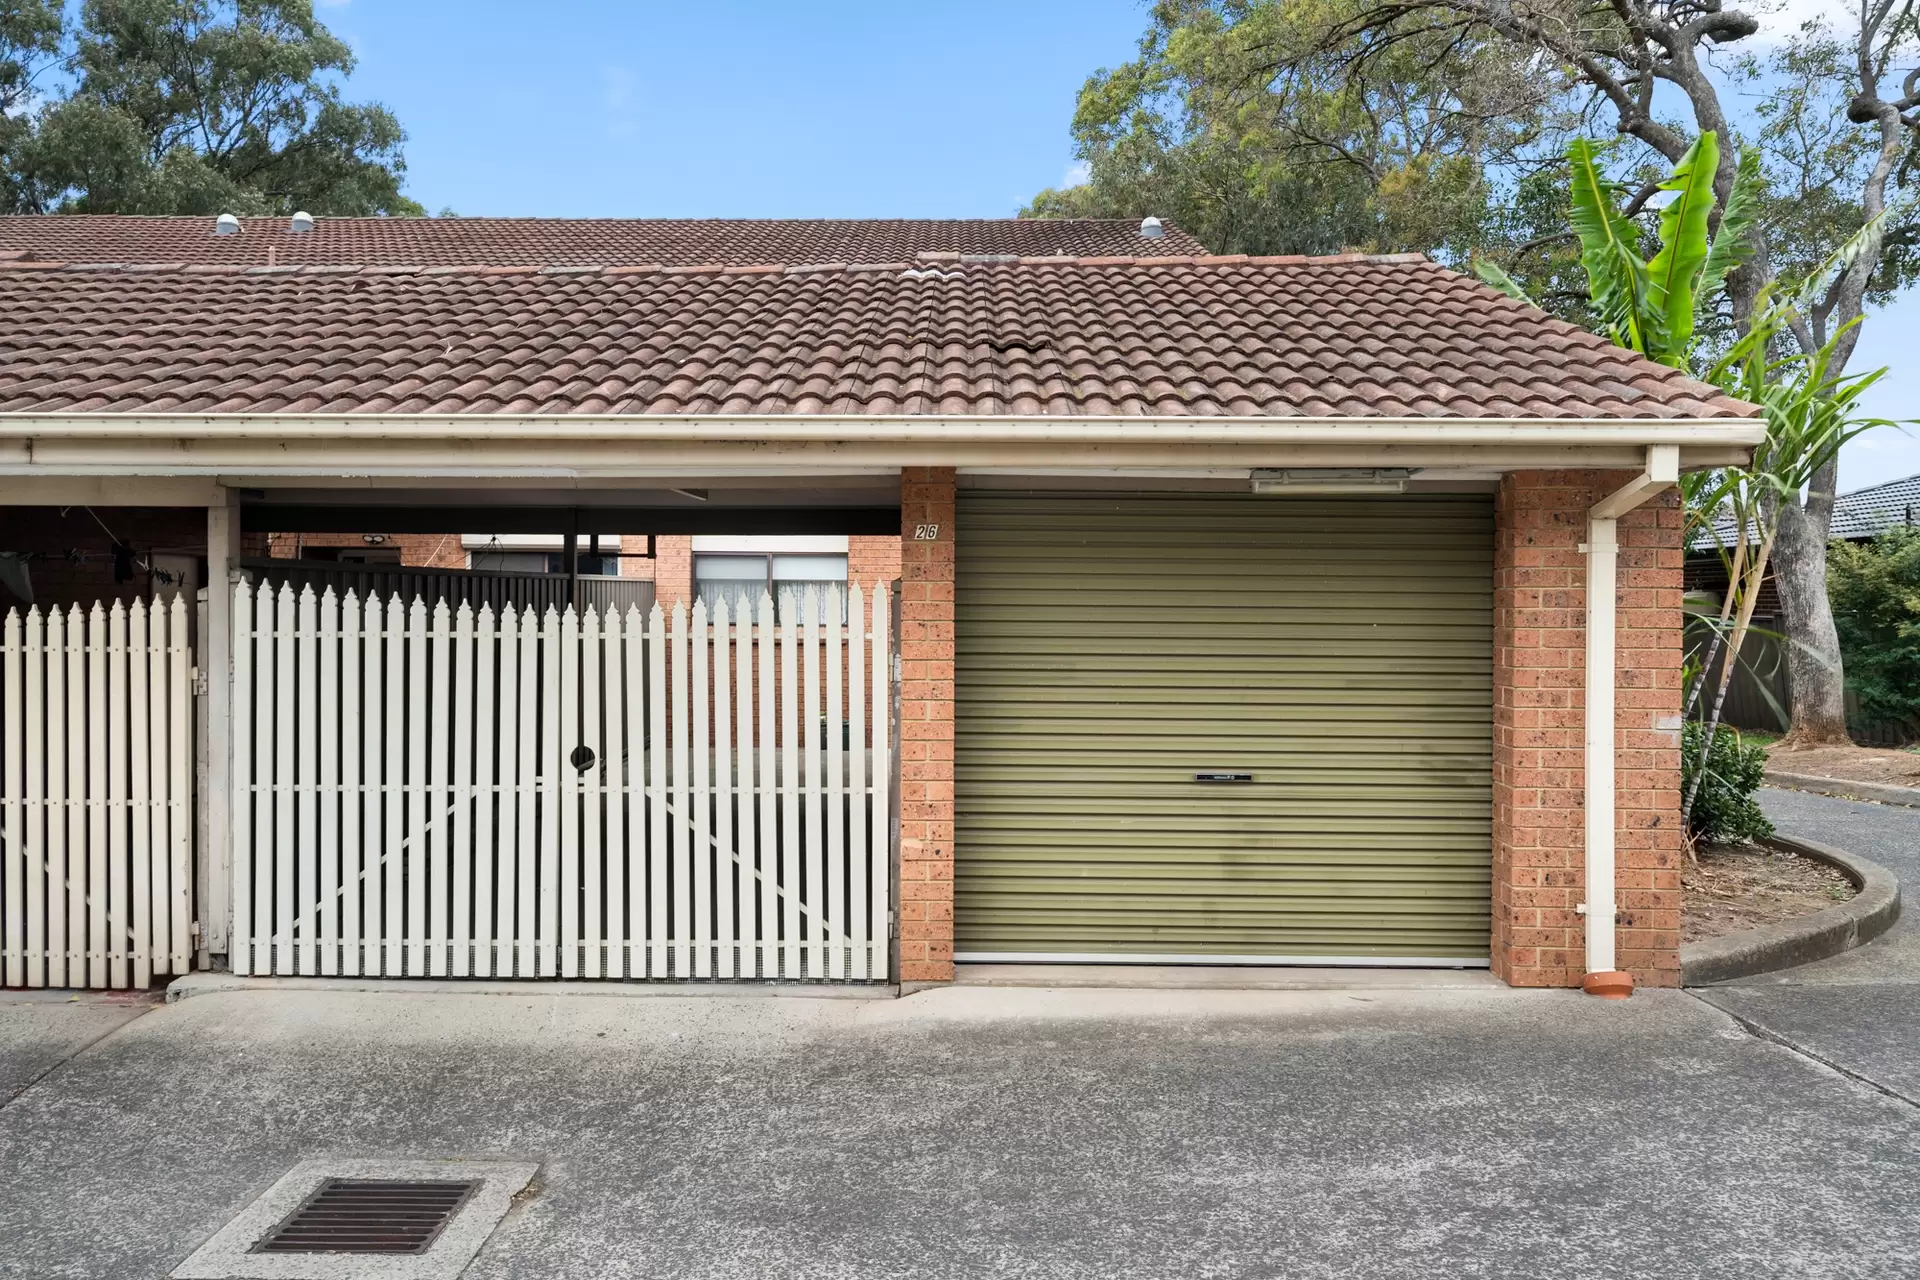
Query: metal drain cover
(368, 1215)
(364, 1218)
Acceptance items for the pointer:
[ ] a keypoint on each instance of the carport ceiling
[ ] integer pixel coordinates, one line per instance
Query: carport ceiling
(872, 508)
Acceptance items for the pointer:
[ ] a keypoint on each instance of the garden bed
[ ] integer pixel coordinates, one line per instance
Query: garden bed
(1737, 887)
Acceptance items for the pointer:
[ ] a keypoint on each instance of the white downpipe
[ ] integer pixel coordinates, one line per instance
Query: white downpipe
(1603, 561)
(1603, 558)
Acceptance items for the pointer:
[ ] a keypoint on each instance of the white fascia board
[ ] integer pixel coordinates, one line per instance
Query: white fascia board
(916, 429)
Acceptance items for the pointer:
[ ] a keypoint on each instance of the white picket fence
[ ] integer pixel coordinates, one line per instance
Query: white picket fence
(426, 793)
(96, 802)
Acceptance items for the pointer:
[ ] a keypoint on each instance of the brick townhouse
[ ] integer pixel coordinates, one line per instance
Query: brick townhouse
(1317, 611)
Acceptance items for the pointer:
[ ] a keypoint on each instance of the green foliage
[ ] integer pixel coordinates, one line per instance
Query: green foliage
(1724, 810)
(29, 45)
(205, 106)
(1652, 307)
(1875, 591)
(1235, 124)
(1817, 160)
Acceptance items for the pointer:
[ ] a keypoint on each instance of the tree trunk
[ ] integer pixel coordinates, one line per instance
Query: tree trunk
(1815, 677)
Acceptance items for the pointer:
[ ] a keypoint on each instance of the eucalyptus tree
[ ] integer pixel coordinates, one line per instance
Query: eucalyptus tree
(199, 106)
(1230, 122)
(1811, 410)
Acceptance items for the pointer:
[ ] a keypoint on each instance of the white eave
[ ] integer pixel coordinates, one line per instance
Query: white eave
(611, 445)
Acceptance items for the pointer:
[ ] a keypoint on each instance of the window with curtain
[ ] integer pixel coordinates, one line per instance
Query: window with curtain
(742, 578)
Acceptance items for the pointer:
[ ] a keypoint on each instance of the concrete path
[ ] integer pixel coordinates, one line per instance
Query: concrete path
(1859, 1011)
(984, 1132)
(39, 1030)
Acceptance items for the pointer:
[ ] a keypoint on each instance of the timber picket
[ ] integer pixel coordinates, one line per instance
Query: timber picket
(685, 795)
(95, 811)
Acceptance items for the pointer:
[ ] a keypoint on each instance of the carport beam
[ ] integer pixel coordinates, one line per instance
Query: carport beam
(1603, 556)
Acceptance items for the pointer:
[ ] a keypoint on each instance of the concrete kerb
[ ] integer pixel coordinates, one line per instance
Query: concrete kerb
(1840, 928)
(1880, 792)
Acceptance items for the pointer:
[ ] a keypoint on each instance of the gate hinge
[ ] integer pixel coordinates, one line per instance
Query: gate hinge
(199, 683)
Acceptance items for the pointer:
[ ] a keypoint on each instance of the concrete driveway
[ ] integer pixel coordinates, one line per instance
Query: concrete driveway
(1860, 1011)
(977, 1132)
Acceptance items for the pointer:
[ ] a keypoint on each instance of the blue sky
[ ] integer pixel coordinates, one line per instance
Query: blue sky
(796, 108)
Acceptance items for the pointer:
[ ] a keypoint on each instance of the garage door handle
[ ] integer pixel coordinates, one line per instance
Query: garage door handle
(1223, 777)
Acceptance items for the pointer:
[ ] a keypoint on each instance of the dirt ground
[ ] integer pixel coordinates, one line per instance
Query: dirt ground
(1744, 886)
(1895, 765)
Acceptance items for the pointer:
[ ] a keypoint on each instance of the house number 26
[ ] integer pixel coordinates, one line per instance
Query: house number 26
(926, 533)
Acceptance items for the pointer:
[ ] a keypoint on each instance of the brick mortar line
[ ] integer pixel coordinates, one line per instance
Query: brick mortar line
(1761, 1032)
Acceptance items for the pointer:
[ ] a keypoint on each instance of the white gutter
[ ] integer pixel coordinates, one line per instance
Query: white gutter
(1603, 554)
(910, 428)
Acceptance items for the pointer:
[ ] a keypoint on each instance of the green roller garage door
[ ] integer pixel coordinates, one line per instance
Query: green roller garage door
(1112, 649)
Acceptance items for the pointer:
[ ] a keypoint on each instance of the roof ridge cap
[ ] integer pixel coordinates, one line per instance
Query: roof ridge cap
(16, 260)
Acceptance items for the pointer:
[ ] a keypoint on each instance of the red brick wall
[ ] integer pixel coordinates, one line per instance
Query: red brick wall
(427, 550)
(673, 569)
(73, 556)
(1539, 760)
(926, 725)
(871, 560)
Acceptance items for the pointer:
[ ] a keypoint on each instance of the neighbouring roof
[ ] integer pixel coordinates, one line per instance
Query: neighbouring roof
(1857, 517)
(1868, 513)
(1347, 336)
(565, 242)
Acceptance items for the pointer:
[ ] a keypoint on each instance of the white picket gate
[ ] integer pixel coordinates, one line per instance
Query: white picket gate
(426, 793)
(96, 802)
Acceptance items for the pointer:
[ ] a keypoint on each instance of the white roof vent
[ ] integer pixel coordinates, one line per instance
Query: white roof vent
(226, 225)
(302, 221)
(1150, 229)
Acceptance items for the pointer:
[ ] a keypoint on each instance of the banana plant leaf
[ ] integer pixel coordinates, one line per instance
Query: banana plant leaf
(1674, 274)
(1733, 244)
(1617, 278)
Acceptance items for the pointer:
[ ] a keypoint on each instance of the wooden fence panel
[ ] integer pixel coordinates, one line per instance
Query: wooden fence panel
(96, 750)
(427, 791)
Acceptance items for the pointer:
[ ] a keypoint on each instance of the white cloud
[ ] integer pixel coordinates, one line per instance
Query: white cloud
(1077, 174)
(1782, 18)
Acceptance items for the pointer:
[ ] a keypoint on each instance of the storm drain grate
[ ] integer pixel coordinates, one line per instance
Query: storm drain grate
(368, 1215)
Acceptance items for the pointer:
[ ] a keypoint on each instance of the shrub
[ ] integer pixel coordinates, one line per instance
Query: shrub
(1875, 590)
(1725, 810)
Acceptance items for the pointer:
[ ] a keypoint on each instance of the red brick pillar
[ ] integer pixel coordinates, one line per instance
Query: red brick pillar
(926, 724)
(1539, 940)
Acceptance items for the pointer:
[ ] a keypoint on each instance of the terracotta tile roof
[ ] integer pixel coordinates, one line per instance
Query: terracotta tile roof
(938, 333)
(544, 242)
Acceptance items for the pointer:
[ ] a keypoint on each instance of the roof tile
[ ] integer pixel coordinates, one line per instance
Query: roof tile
(543, 242)
(1223, 336)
